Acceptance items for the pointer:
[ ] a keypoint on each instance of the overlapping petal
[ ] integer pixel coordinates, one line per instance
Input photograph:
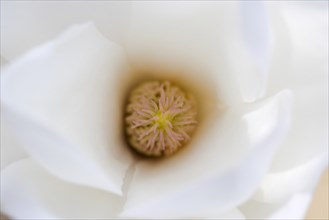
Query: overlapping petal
(301, 64)
(306, 73)
(301, 59)
(64, 103)
(280, 186)
(292, 208)
(257, 32)
(22, 28)
(252, 57)
(11, 150)
(30, 192)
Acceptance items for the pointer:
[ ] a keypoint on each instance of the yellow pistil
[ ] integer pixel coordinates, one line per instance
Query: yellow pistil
(162, 120)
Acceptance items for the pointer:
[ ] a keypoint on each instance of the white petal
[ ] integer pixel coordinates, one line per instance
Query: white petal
(256, 29)
(11, 151)
(309, 133)
(220, 169)
(253, 65)
(294, 208)
(25, 24)
(2, 61)
(301, 64)
(200, 40)
(233, 214)
(29, 192)
(64, 102)
(282, 185)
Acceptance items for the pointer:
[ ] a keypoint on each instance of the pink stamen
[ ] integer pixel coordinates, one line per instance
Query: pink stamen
(160, 118)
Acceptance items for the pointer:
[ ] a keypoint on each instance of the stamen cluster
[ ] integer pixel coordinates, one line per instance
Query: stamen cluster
(160, 118)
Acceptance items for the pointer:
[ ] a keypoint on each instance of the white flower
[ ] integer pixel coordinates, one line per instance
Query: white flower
(63, 152)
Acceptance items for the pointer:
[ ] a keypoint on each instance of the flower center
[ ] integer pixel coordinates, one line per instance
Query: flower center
(160, 118)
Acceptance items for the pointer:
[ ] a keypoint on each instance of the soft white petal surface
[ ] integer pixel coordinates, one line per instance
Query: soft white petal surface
(233, 214)
(257, 34)
(63, 102)
(25, 24)
(10, 150)
(301, 64)
(201, 40)
(257, 31)
(2, 61)
(282, 185)
(30, 192)
(293, 208)
(219, 170)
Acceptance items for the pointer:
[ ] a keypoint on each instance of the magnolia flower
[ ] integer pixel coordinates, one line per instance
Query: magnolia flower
(257, 70)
